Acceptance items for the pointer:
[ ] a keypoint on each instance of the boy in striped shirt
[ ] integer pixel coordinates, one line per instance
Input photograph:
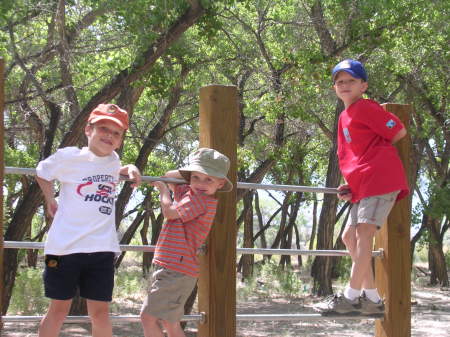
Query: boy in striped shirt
(189, 217)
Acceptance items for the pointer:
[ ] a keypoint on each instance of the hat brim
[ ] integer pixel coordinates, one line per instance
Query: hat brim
(112, 119)
(186, 174)
(348, 71)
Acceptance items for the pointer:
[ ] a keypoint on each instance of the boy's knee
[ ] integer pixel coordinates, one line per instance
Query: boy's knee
(366, 231)
(348, 237)
(172, 327)
(99, 316)
(147, 318)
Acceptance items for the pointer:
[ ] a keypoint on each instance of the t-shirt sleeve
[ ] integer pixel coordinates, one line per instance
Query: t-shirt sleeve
(382, 122)
(191, 206)
(57, 165)
(49, 168)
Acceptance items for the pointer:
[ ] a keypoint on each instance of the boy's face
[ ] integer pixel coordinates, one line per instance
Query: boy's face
(205, 184)
(104, 137)
(348, 88)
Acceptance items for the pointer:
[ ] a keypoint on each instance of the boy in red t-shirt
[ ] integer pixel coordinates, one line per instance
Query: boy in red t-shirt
(375, 179)
(188, 221)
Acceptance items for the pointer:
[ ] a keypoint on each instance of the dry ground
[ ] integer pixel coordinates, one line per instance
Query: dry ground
(430, 317)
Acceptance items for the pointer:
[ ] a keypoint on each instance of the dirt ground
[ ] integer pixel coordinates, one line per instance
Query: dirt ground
(430, 317)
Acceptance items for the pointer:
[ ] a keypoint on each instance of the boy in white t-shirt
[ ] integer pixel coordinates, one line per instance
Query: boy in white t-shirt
(82, 241)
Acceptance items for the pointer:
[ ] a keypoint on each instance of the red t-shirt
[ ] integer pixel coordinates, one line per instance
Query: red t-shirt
(180, 238)
(368, 161)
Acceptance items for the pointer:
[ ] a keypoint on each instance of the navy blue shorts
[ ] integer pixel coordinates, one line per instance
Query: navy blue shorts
(92, 273)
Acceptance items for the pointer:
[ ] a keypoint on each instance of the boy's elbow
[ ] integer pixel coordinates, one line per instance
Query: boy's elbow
(399, 135)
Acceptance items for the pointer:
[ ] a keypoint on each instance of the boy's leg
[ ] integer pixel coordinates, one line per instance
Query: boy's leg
(99, 313)
(52, 322)
(96, 286)
(362, 264)
(167, 295)
(150, 325)
(350, 241)
(173, 329)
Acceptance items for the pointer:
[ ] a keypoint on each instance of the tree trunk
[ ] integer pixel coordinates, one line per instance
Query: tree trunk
(260, 221)
(283, 220)
(286, 243)
(321, 269)
(312, 237)
(79, 306)
(248, 259)
(20, 222)
(339, 245)
(189, 305)
(436, 255)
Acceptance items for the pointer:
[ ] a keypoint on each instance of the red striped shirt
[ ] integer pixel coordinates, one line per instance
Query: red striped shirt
(180, 238)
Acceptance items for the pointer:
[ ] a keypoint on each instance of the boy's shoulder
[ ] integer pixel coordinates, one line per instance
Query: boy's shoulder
(368, 103)
(364, 107)
(69, 150)
(65, 152)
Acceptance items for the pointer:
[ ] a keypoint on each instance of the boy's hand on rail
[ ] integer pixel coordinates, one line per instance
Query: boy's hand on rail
(344, 192)
(133, 173)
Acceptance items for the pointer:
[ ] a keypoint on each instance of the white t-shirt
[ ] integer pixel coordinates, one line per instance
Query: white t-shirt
(85, 219)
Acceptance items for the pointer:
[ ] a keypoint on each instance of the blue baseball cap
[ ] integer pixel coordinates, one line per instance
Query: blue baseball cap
(353, 67)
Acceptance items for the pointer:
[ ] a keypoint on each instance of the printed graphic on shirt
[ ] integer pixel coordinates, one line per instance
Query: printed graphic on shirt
(390, 123)
(103, 191)
(348, 139)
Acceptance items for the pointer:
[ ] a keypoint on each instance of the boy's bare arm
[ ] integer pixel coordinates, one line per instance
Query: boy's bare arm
(399, 135)
(49, 195)
(167, 207)
(175, 175)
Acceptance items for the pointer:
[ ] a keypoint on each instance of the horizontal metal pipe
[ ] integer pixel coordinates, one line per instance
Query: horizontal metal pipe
(297, 317)
(32, 172)
(293, 188)
(86, 319)
(240, 185)
(196, 318)
(246, 251)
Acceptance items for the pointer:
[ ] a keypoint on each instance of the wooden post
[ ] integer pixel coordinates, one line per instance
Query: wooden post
(393, 272)
(217, 282)
(2, 167)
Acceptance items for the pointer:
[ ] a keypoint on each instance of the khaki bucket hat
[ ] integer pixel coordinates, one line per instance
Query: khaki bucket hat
(210, 162)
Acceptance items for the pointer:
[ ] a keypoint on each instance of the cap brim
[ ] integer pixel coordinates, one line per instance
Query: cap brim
(112, 119)
(348, 71)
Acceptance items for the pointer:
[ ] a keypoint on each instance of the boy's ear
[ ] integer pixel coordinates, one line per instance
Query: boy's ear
(365, 86)
(88, 129)
(222, 183)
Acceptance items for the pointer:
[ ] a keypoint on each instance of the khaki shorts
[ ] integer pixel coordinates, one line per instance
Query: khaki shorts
(169, 291)
(373, 210)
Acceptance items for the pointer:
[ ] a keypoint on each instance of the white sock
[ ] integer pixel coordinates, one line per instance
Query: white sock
(372, 294)
(351, 293)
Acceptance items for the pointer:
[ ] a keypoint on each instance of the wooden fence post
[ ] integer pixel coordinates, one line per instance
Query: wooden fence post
(2, 107)
(393, 272)
(217, 282)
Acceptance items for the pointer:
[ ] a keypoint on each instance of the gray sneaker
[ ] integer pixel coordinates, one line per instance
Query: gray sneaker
(339, 305)
(369, 308)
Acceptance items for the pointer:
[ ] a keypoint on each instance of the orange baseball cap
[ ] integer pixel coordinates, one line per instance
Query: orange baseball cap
(110, 112)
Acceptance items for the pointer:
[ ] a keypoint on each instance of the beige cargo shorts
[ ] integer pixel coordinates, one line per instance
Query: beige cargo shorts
(167, 294)
(373, 210)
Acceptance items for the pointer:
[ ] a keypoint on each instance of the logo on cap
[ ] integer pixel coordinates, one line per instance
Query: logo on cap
(111, 109)
(345, 64)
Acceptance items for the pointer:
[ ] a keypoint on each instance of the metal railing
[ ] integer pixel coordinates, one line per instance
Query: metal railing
(239, 185)
(246, 251)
